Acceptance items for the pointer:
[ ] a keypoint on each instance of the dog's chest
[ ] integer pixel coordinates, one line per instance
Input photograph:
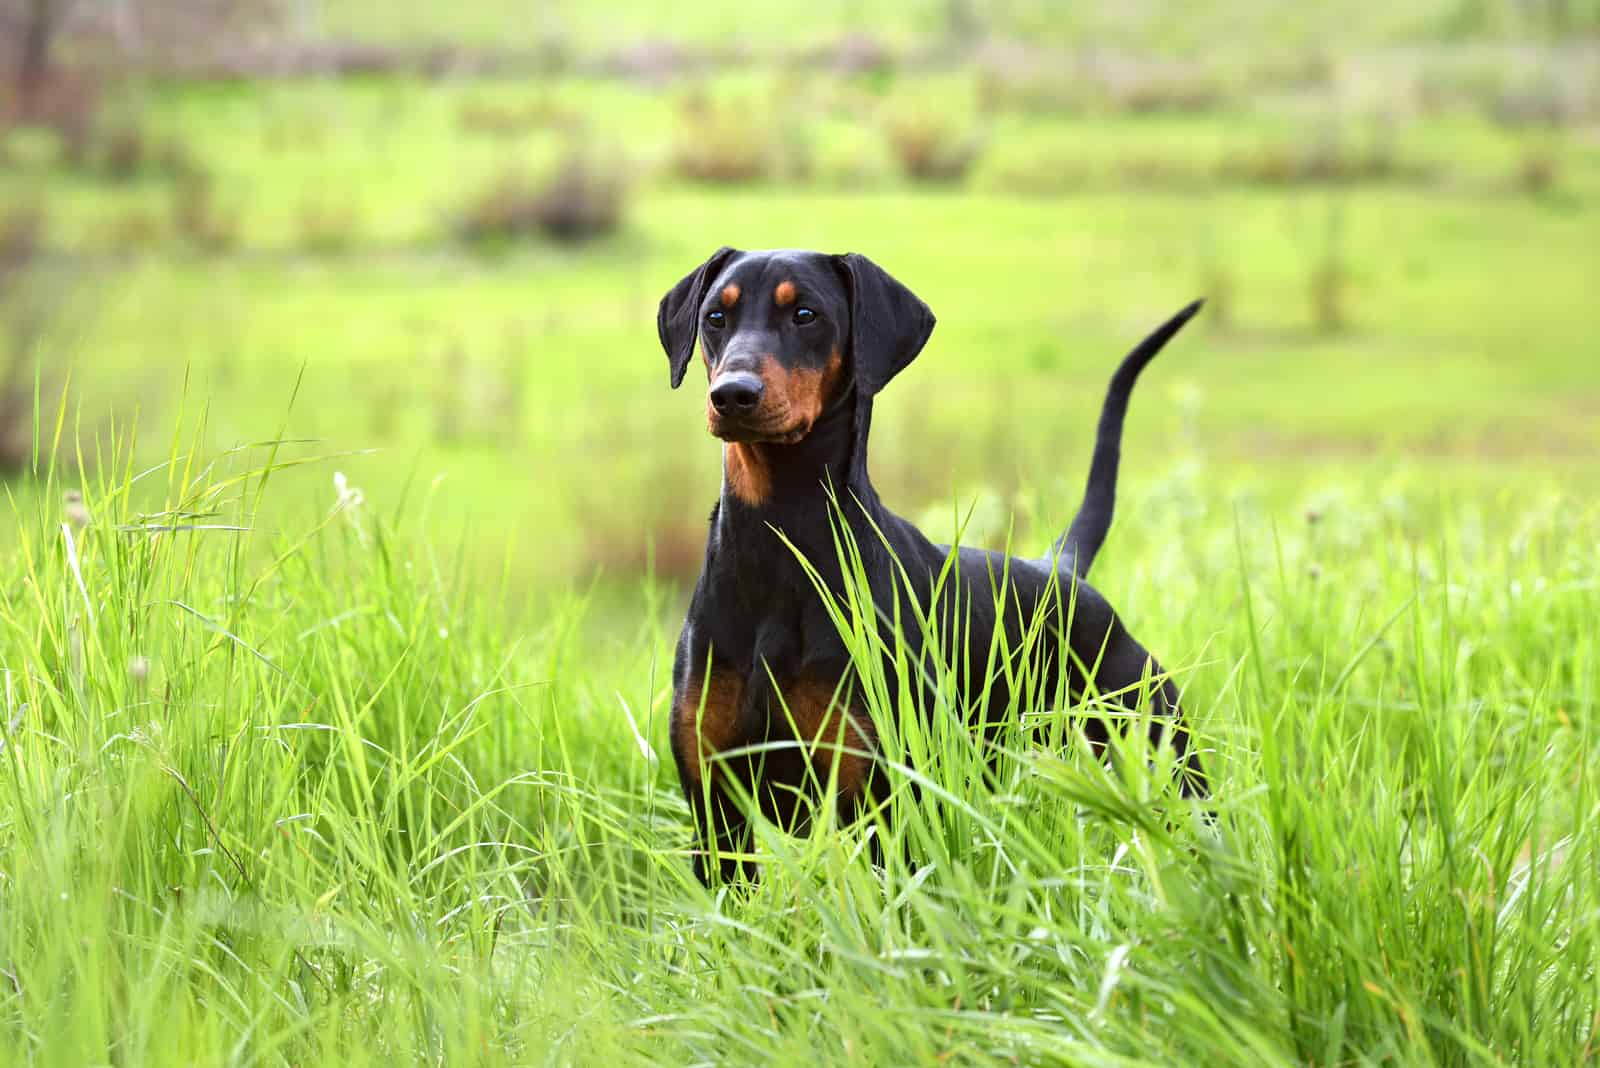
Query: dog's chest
(768, 689)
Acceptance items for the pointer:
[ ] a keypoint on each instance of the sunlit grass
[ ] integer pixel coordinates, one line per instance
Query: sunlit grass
(280, 786)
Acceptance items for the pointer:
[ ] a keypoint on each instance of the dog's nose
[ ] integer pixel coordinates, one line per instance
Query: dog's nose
(737, 393)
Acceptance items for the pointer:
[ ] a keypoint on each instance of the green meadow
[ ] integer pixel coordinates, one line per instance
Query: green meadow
(349, 526)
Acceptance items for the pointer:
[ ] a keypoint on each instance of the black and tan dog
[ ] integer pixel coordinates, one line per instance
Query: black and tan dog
(796, 346)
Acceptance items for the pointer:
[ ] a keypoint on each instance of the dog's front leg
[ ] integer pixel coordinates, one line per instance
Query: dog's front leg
(724, 837)
(708, 720)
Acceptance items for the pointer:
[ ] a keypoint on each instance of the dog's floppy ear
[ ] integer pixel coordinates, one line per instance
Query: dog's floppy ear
(889, 324)
(678, 318)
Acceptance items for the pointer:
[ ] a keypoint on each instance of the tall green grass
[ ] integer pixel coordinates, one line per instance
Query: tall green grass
(280, 787)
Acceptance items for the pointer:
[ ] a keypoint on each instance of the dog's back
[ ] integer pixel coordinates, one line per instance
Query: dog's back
(1046, 597)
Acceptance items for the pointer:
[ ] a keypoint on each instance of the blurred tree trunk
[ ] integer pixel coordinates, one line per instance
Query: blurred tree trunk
(16, 420)
(40, 21)
(21, 232)
(125, 27)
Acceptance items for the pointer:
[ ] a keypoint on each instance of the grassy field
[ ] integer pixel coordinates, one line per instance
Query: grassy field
(332, 719)
(295, 797)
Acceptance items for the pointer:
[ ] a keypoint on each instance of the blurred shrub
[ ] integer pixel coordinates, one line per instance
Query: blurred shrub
(124, 149)
(1328, 158)
(1012, 76)
(1545, 100)
(724, 142)
(512, 119)
(174, 158)
(1314, 68)
(197, 215)
(579, 201)
(856, 54)
(1001, 89)
(656, 61)
(851, 102)
(1143, 89)
(1526, 85)
(1538, 167)
(328, 224)
(931, 147)
(134, 230)
(1446, 84)
(505, 207)
(21, 239)
(1270, 164)
(1055, 172)
(1153, 171)
(1019, 77)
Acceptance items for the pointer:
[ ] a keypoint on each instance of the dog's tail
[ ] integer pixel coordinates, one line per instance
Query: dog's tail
(1088, 530)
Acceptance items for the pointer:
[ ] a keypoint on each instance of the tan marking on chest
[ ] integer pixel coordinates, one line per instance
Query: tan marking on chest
(705, 719)
(744, 465)
(821, 717)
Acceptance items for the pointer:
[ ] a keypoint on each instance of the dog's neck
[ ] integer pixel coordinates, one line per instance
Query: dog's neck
(788, 486)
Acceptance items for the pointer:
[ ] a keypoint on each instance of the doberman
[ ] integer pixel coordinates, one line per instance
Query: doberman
(796, 347)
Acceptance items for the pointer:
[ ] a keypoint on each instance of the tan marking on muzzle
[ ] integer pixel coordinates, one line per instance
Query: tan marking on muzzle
(791, 403)
(805, 391)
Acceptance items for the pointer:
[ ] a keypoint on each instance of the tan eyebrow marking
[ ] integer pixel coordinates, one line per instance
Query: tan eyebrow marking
(730, 295)
(784, 294)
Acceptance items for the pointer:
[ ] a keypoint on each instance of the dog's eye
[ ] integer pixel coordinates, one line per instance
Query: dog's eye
(716, 320)
(804, 316)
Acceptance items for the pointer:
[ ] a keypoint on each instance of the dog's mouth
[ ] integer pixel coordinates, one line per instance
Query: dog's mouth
(756, 431)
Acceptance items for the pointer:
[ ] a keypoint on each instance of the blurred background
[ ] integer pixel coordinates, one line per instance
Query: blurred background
(439, 234)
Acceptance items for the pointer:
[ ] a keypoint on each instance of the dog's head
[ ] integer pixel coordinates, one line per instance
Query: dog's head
(787, 334)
